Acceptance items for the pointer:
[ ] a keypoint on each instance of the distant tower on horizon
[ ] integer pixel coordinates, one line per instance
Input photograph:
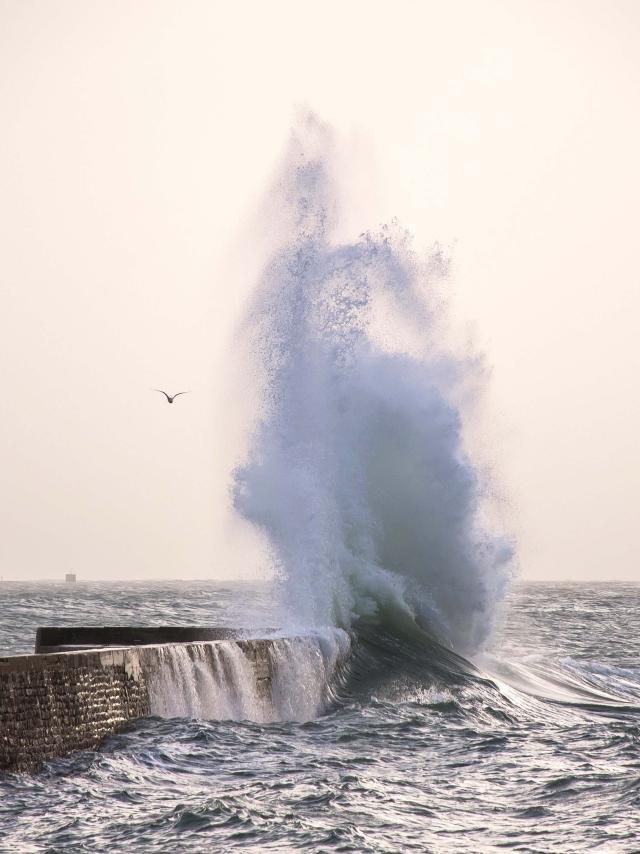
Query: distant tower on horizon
(70, 578)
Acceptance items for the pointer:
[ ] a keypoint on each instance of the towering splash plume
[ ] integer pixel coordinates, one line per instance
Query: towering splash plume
(356, 471)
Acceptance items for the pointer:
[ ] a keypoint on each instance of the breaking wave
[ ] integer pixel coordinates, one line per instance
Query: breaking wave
(357, 473)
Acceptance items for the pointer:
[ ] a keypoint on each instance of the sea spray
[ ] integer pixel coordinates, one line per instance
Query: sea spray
(356, 470)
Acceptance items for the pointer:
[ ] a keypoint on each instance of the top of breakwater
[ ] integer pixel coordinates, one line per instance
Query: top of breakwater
(67, 638)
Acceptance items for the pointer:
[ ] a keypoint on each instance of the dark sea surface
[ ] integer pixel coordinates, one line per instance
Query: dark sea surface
(534, 747)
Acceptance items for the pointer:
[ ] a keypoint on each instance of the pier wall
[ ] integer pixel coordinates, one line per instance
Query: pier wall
(53, 704)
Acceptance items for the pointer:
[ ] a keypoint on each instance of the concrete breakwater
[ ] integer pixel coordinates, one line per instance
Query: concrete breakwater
(52, 704)
(66, 638)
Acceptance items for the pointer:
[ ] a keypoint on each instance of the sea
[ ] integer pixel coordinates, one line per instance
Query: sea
(531, 745)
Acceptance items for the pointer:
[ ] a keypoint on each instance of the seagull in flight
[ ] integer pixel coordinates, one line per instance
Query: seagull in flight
(170, 398)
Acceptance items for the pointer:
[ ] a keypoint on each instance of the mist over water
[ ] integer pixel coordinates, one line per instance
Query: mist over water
(357, 471)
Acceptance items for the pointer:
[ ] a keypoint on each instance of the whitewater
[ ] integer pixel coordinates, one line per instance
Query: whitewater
(357, 472)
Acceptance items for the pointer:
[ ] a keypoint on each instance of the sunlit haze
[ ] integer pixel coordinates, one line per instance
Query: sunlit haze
(138, 142)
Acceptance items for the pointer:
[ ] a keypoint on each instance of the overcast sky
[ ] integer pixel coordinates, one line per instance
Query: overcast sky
(137, 140)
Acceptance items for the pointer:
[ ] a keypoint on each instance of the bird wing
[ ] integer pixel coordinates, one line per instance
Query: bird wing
(181, 392)
(162, 392)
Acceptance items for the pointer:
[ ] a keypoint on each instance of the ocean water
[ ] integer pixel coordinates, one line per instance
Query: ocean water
(532, 745)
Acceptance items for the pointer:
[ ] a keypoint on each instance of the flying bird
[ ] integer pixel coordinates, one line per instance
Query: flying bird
(170, 398)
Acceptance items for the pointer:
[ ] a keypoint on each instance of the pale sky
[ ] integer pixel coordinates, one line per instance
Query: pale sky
(137, 140)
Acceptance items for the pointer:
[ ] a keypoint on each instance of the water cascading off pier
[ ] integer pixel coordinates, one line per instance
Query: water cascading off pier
(52, 703)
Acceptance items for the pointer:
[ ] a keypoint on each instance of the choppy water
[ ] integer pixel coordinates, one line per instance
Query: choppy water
(535, 748)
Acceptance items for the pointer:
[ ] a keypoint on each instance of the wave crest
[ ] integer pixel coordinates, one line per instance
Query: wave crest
(357, 471)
